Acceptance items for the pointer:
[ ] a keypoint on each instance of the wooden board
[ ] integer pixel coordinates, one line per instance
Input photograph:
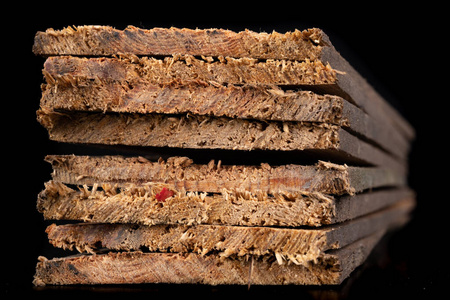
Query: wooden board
(312, 44)
(205, 132)
(182, 173)
(107, 41)
(261, 102)
(300, 246)
(315, 103)
(138, 267)
(185, 68)
(143, 204)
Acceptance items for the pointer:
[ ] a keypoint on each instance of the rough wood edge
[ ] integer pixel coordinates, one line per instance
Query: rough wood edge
(138, 267)
(196, 132)
(304, 247)
(259, 102)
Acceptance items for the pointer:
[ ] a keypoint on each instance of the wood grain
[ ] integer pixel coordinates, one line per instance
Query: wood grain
(137, 267)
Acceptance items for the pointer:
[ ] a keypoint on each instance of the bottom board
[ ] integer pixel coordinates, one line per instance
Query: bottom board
(138, 267)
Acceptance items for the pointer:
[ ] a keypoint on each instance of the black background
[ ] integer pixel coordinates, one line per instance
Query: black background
(401, 50)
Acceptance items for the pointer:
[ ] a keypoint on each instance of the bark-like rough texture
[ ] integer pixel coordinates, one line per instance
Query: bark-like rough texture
(106, 40)
(137, 267)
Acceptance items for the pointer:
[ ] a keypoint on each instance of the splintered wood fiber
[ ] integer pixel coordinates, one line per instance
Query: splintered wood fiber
(175, 221)
(183, 173)
(68, 93)
(187, 131)
(300, 246)
(281, 51)
(107, 41)
(138, 267)
(140, 204)
(186, 68)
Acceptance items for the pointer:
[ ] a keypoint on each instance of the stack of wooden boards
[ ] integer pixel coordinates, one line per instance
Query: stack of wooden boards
(173, 220)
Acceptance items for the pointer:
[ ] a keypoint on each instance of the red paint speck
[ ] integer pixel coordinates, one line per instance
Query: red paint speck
(164, 194)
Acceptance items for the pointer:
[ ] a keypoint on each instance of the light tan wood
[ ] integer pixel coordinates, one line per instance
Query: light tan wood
(138, 267)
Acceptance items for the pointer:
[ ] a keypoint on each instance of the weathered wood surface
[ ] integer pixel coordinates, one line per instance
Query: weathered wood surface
(114, 91)
(107, 41)
(352, 85)
(261, 102)
(300, 246)
(138, 267)
(205, 132)
(142, 204)
(185, 68)
(186, 131)
(182, 173)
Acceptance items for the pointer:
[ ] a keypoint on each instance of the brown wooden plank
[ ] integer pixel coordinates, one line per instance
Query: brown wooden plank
(137, 267)
(187, 131)
(181, 173)
(140, 204)
(107, 41)
(299, 246)
(346, 82)
(260, 102)
(186, 68)
(205, 132)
